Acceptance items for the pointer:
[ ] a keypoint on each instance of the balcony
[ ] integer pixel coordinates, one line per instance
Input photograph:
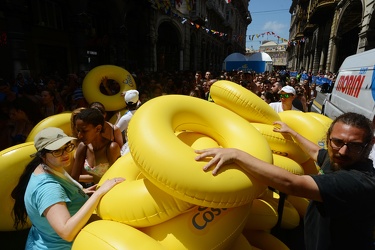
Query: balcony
(309, 29)
(321, 10)
(299, 36)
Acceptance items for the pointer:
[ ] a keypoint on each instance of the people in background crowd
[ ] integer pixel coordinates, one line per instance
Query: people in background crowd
(300, 101)
(268, 97)
(287, 95)
(131, 99)
(111, 131)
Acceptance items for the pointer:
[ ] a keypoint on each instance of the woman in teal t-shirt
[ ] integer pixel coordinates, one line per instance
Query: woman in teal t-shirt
(56, 204)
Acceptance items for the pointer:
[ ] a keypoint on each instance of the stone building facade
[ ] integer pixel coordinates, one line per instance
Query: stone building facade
(278, 53)
(44, 36)
(324, 32)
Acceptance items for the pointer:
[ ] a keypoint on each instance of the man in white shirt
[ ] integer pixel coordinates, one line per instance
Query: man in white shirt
(131, 99)
(287, 95)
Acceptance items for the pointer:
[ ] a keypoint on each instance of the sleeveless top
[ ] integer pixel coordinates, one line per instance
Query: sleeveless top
(97, 170)
(101, 164)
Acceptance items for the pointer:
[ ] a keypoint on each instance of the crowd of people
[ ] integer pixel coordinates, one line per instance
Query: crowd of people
(26, 101)
(50, 192)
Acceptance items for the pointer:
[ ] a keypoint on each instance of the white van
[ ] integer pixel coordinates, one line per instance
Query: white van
(354, 89)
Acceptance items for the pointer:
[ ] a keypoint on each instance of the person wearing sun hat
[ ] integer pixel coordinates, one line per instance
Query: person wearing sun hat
(287, 95)
(51, 139)
(57, 205)
(132, 103)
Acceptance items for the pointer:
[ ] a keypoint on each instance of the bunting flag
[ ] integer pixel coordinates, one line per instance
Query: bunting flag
(251, 37)
(166, 6)
(290, 43)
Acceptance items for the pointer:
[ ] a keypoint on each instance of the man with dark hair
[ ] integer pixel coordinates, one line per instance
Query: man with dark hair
(198, 78)
(275, 89)
(341, 213)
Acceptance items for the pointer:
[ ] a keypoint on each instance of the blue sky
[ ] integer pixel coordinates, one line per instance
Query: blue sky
(268, 16)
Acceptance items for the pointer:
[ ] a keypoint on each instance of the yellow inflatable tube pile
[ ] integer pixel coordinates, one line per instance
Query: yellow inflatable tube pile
(167, 195)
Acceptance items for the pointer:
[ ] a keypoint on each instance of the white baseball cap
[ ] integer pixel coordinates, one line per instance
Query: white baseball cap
(131, 96)
(288, 89)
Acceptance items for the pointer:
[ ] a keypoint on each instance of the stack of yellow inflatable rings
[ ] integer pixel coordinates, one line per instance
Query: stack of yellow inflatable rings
(167, 200)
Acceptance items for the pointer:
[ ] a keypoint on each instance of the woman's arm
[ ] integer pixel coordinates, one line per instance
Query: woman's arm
(66, 226)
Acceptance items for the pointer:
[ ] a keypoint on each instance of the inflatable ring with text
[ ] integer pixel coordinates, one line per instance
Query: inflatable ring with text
(201, 228)
(306, 125)
(281, 144)
(93, 79)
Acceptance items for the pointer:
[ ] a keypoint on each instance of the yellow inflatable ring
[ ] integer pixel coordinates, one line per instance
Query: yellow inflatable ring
(305, 125)
(170, 164)
(325, 120)
(201, 228)
(14, 160)
(290, 218)
(287, 164)
(93, 79)
(262, 216)
(61, 121)
(243, 102)
(263, 240)
(136, 201)
(281, 144)
(241, 243)
(299, 203)
(109, 235)
(150, 205)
